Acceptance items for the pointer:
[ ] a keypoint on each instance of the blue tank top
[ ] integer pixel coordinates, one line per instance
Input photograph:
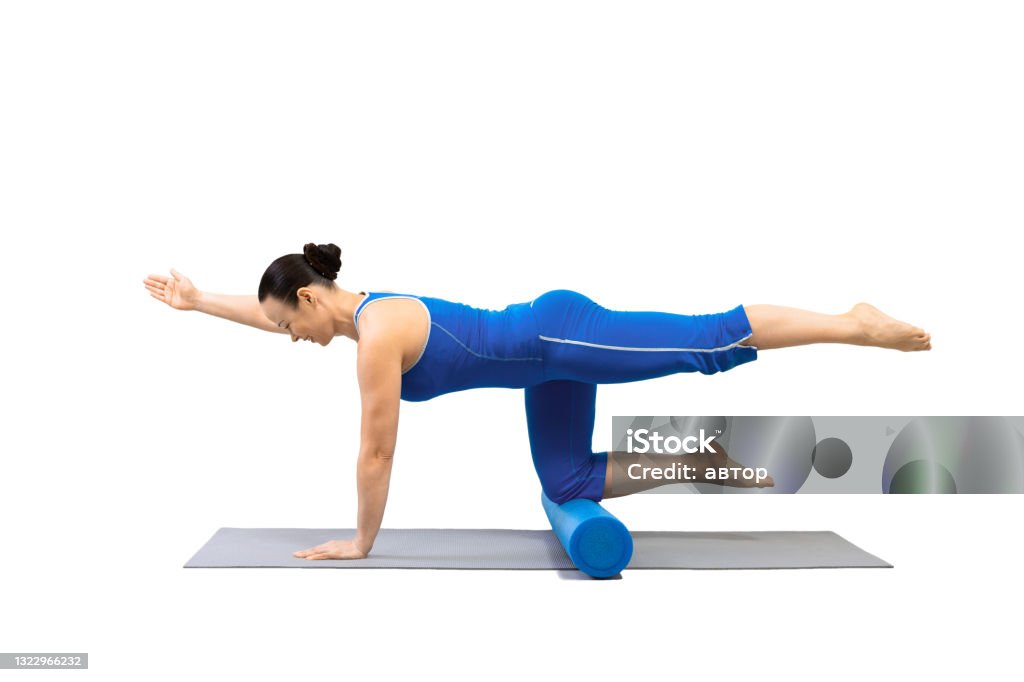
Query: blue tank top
(469, 347)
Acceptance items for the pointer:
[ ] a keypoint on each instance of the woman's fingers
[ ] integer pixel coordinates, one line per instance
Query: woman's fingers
(159, 287)
(318, 552)
(177, 275)
(161, 294)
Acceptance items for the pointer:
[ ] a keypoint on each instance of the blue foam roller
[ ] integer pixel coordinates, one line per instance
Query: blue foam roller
(598, 543)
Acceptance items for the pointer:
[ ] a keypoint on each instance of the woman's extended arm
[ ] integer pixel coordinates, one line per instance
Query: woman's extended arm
(178, 292)
(241, 308)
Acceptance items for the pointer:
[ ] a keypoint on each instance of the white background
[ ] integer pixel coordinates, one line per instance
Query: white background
(684, 157)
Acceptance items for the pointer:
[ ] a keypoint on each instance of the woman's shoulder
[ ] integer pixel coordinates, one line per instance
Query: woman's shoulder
(400, 308)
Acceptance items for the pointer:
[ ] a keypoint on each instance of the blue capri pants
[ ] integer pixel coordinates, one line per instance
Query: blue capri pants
(584, 344)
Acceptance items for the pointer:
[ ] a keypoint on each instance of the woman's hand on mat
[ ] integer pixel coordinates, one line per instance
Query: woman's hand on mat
(176, 291)
(335, 549)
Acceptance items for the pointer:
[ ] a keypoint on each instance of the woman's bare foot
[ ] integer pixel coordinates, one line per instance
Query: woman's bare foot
(878, 329)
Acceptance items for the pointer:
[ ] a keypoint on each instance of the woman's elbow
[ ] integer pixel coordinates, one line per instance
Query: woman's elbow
(378, 453)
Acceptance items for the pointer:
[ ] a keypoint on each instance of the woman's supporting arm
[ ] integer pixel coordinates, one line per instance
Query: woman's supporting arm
(373, 478)
(379, 368)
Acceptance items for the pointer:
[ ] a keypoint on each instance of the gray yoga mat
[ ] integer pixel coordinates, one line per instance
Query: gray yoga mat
(531, 549)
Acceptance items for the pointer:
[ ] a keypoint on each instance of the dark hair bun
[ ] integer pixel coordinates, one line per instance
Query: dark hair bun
(325, 258)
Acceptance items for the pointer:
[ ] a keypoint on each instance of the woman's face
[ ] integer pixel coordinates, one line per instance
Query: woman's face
(310, 321)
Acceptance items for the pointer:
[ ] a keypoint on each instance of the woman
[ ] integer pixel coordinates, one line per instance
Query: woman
(557, 347)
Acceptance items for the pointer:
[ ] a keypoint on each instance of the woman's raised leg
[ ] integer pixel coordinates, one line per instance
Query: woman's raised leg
(777, 326)
(583, 341)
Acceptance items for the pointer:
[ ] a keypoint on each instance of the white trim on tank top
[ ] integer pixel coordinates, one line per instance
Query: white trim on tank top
(430, 319)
